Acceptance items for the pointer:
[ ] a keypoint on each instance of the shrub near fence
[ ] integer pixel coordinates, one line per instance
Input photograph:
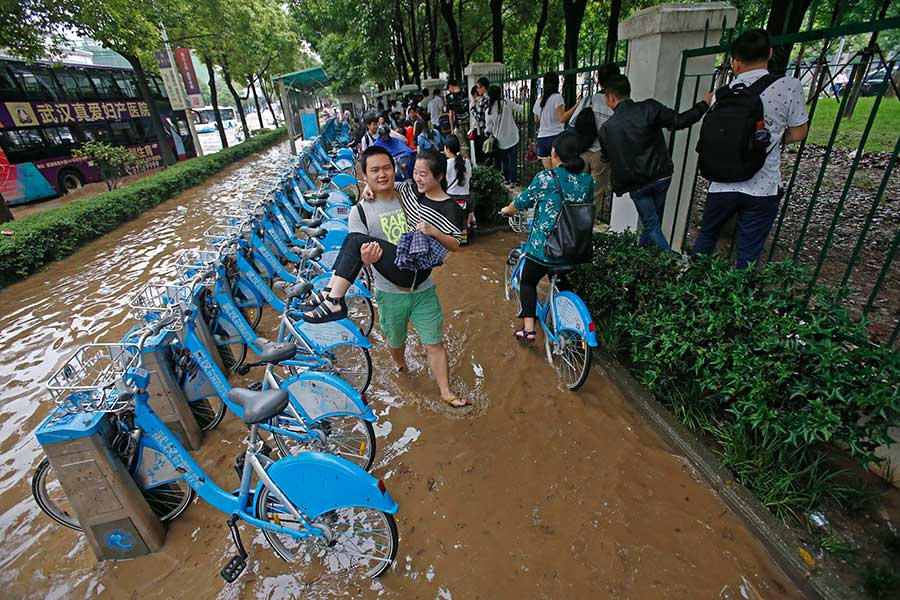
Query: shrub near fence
(739, 356)
(56, 233)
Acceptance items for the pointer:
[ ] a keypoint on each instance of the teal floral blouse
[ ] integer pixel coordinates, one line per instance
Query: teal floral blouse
(543, 193)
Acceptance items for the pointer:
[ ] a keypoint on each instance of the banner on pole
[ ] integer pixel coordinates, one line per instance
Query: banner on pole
(189, 76)
(171, 81)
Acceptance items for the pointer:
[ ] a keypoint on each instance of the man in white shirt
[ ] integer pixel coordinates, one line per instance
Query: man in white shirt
(755, 201)
(435, 107)
(594, 163)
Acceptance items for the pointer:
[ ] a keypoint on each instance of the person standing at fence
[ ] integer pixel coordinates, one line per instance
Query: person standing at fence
(633, 142)
(551, 115)
(479, 116)
(500, 124)
(435, 106)
(458, 109)
(745, 179)
(587, 130)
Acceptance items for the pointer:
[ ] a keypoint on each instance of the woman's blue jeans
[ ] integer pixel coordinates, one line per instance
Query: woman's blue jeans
(649, 201)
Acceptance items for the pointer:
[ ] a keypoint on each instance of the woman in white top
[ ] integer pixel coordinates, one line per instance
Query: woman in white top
(550, 114)
(500, 123)
(459, 174)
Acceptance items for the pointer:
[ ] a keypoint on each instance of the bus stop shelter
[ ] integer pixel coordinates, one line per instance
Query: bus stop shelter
(301, 102)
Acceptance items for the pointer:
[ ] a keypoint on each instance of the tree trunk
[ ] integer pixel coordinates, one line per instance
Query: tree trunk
(252, 83)
(214, 98)
(536, 47)
(410, 57)
(159, 131)
(414, 35)
(265, 91)
(5, 213)
(786, 16)
(237, 99)
(497, 29)
(431, 21)
(863, 67)
(574, 15)
(612, 31)
(456, 52)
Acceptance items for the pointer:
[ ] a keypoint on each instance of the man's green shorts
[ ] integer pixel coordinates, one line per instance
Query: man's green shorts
(423, 308)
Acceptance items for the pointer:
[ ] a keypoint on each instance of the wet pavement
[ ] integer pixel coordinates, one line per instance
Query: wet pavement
(534, 492)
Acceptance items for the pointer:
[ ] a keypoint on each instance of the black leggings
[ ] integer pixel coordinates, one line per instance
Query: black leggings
(532, 272)
(348, 264)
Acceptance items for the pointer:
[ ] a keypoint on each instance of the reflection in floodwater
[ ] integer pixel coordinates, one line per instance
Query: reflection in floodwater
(533, 493)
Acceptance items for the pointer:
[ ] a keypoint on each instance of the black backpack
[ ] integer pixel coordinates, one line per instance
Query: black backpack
(444, 124)
(585, 126)
(734, 141)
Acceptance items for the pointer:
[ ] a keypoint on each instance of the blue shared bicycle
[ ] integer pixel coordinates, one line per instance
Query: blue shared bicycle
(568, 327)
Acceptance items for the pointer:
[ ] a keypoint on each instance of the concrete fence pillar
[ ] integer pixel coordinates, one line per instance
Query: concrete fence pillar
(656, 37)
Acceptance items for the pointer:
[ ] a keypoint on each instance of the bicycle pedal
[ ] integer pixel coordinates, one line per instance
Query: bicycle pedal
(233, 569)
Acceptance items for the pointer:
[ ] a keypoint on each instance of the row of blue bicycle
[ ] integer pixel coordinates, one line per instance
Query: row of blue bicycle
(316, 502)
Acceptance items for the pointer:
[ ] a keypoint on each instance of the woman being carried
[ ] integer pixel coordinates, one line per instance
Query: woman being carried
(564, 182)
(375, 227)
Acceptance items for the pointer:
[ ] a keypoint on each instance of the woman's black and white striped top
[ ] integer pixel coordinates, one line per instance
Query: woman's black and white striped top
(446, 215)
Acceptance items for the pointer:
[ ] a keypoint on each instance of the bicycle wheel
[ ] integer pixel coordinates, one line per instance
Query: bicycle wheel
(231, 359)
(167, 501)
(365, 539)
(574, 358)
(509, 292)
(353, 364)
(361, 312)
(347, 436)
(50, 496)
(208, 412)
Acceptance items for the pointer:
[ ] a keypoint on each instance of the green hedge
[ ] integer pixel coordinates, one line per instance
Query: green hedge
(54, 234)
(488, 193)
(740, 356)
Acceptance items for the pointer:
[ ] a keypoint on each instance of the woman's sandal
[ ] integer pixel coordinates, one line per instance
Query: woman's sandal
(314, 300)
(526, 337)
(323, 313)
(454, 401)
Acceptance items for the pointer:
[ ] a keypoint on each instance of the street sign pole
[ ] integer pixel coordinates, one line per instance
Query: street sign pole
(187, 110)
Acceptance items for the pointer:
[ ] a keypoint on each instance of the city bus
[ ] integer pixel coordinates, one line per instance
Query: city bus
(205, 119)
(47, 110)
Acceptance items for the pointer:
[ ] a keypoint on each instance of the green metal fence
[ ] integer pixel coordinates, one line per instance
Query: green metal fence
(840, 213)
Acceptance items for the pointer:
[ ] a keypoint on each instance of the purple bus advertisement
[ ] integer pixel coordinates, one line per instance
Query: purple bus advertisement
(47, 110)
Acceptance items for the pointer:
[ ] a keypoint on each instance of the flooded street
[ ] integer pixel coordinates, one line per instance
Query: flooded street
(534, 493)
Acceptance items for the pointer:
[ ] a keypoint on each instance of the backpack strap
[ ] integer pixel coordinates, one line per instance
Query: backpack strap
(362, 213)
(761, 84)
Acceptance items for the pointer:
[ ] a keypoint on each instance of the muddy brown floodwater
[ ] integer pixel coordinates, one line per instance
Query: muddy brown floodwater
(534, 493)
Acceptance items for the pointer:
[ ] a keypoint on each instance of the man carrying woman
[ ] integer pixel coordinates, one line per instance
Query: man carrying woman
(375, 227)
(566, 181)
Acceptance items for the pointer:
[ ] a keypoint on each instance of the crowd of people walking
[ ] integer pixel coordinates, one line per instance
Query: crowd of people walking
(604, 141)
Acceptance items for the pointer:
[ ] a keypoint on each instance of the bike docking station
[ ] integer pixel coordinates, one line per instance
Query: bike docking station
(114, 516)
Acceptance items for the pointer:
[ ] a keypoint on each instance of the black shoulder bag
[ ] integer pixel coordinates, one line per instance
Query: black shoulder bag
(571, 239)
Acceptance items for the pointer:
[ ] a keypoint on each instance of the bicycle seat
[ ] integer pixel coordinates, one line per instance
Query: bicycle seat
(318, 232)
(325, 179)
(317, 202)
(311, 253)
(298, 290)
(561, 269)
(310, 222)
(275, 353)
(259, 406)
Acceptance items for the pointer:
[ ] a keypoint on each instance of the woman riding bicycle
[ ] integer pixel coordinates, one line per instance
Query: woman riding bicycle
(546, 193)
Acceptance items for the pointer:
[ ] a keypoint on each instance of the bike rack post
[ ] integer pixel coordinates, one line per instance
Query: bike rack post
(116, 519)
(167, 399)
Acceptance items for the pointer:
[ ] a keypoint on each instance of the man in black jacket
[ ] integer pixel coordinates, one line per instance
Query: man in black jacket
(632, 140)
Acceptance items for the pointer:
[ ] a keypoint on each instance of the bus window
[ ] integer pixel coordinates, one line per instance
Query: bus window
(127, 84)
(22, 145)
(69, 86)
(123, 133)
(106, 87)
(96, 132)
(37, 82)
(9, 89)
(59, 136)
(156, 86)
